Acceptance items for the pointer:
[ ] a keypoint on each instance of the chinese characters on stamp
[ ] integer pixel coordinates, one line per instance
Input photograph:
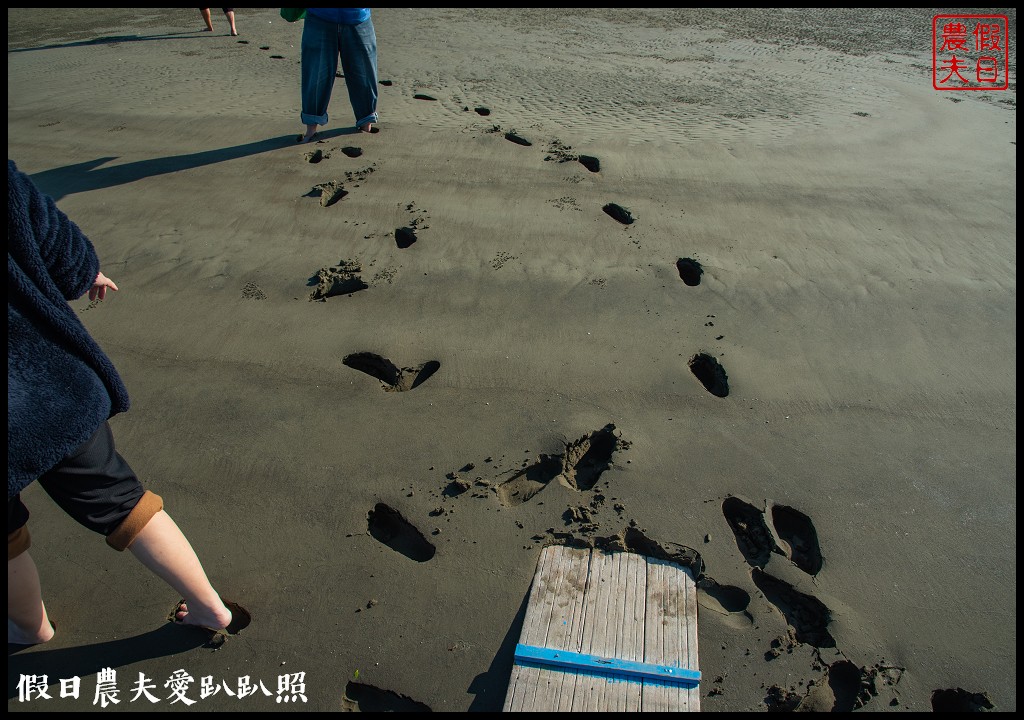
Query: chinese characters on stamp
(970, 52)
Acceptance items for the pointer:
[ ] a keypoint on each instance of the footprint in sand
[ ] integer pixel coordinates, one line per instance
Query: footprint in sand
(421, 96)
(791, 534)
(342, 279)
(798, 540)
(807, 616)
(405, 237)
(843, 688)
(352, 152)
(727, 600)
(388, 526)
(526, 483)
(690, 271)
(586, 459)
(252, 291)
(711, 374)
(617, 212)
(579, 467)
(960, 700)
(367, 698)
(517, 139)
(392, 378)
(753, 538)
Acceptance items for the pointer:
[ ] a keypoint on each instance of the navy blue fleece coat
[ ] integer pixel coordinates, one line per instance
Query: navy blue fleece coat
(60, 385)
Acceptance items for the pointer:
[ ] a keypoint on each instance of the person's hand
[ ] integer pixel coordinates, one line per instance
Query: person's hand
(99, 287)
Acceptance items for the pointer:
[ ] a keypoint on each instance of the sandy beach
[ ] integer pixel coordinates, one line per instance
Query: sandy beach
(731, 287)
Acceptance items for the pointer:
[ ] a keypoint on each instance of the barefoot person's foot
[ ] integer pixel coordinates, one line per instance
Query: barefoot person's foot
(19, 636)
(230, 619)
(208, 618)
(309, 136)
(368, 128)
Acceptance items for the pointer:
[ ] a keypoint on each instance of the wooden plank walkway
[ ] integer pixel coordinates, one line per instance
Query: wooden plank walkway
(607, 632)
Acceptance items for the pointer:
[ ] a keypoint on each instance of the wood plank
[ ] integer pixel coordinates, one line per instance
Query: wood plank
(605, 611)
(555, 596)
(667, 640)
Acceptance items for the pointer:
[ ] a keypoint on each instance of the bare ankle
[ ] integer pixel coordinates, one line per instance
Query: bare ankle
(20, 636)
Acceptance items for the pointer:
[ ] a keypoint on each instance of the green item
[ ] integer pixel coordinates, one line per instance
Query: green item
(293, 14)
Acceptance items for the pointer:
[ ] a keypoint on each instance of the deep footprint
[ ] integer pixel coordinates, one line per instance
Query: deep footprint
(807, 616)
(404, 237)
(960, 700)
(753, 537)
(328, 192)
(367, 698)
(727, 600)
(619, 213)
(590, 162)
(587, 458)
(710, 373)
(528, 482)
(389, 527)
(517, 139)
(340, 280)
(797, 533)
(690, 271)
(392, 378)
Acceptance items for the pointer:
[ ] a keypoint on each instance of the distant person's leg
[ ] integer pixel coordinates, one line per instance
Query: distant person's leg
(229, 13)
(319, 67)
(359, 63)
(207, 19)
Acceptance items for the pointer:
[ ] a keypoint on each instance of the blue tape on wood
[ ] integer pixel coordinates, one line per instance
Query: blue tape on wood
(594, 663)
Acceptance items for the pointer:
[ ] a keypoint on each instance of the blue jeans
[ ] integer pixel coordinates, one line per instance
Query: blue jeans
(322, 43)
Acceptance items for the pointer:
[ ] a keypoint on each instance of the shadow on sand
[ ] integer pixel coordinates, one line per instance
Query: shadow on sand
(83, 177)
(61, 663)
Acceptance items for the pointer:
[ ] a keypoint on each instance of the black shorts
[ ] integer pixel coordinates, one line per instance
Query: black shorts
(93, 484)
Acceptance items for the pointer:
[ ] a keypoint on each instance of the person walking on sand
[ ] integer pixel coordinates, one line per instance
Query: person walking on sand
(229, 13)
(61, 390)
(328, 33)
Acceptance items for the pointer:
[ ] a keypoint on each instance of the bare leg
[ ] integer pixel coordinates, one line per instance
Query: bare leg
(231, 19)
(163, 549)
(27, 622)
(310, 135)
(207, 19)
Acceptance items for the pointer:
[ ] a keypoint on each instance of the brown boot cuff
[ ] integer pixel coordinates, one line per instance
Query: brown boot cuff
(125, 533)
